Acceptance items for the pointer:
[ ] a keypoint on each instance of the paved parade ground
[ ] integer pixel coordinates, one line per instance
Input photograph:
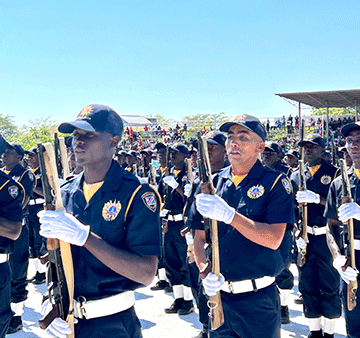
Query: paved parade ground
(156, 323)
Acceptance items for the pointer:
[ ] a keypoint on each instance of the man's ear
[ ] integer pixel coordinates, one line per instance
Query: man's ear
(260, 147)
(114, 141)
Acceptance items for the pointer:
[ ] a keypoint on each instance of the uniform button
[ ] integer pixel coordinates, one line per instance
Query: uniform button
(228, 231)
(85, 213)
(226, 270)
(226, 250)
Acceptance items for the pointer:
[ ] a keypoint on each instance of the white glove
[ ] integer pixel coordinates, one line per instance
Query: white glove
(214, 207)
(348, 211)
(170, 181)
(187, 189)
(300, 243)
(212, 284)
(163, 212)
(58, 327)
(64, 226)
(189, 238)
(307, 196)
(349, 274)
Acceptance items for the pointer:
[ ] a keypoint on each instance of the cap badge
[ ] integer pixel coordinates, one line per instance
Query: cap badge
(85, 112)
(149, 200)
(111, 210)
(13, 191)
(286, 185)
(256, 191)
(326, 179)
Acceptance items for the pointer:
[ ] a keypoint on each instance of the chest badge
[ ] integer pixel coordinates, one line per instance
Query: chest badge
(111, 210)
(256, 191)
(326, 179)
(286, 185)
(149, 200)
(13, 191)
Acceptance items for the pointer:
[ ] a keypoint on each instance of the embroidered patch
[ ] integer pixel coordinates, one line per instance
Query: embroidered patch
(286, 185)
(84, 113)
(31, 176)
(256, 191)
(111, 210)
(149, 200)
(326, 179)
(13, 191)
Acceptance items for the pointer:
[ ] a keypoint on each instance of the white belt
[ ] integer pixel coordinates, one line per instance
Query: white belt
(175, 218)
(248, 285)
(36, 201)
(4, 258)
(357, 244)
(103, 307)
(316, 231)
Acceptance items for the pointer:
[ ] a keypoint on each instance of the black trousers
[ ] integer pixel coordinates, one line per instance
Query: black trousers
(37, 243)
(175, 254)
(19, 262)
(5, 310)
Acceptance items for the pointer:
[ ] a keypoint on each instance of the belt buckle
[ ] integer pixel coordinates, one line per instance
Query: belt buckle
(231, 287)
(314, 229)
(82, 301)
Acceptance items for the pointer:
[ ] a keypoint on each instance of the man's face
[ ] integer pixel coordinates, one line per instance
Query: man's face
(177, 158)
(33, 160)
(269, 158)
(216, 153)
(243, 146)
(92, 148)
(313, 152)
(10, 157)
(161, 154)
(353, 146)
(291, 161)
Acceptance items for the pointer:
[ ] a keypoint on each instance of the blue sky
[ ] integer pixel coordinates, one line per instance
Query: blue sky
(174, 57)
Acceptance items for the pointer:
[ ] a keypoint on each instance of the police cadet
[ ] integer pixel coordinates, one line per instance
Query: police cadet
(292, 158)
(19, 260)
(318, 280)
(216, 148)
(37, 242)
(251, 228)
(175, 250)
(272, 159)
(11, 198)
(113, 224)
(131, 159)
(336, 212)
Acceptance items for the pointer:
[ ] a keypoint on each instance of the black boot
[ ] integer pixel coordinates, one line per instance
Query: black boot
(15, 325)
(160, 285)
(202, 334)
(328, 335)
(175, 307)
(299, 300)
(285, 318)
(186, 308)
(315, 334)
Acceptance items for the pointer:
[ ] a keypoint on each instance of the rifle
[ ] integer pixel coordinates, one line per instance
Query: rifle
(216, 310)
(303, 208)
(62, 162)
(334, 156)
(346, 198)
(58, 155)
(167, 191)
(152, 175)
(190, 180)
(60, 281)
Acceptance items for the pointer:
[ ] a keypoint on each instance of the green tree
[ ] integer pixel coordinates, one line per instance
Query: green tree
(7, 127)
(334, 111)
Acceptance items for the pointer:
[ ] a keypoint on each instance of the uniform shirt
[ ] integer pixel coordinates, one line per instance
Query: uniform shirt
(177, 201)
(263, 196)
(320, 184)
(38, 183)
(283, 168)
(23, 176)
(123, 213)
(11, 198)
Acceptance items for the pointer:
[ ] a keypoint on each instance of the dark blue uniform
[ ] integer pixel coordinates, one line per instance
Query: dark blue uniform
(11, 197)
(175, 248)
(258, 197)
(36, 203)
(125, 214)
(331, 210)
(319, 281)
(19, 260)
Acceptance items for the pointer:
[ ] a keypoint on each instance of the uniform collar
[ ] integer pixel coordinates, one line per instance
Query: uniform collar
(254, 172)
(17, 169)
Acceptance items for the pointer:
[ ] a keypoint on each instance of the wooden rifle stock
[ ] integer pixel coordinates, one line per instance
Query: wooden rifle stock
(61, 274)
(347, 198)
(304, 215)
(207, 187)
